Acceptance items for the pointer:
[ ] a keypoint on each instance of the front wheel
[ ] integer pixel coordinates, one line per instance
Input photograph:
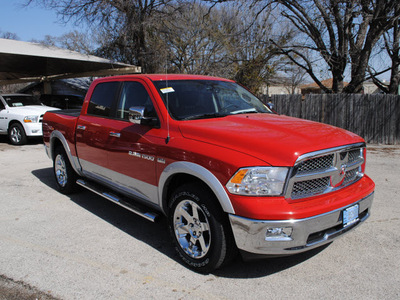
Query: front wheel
(17, 134)
(200, 229)
(63, 172)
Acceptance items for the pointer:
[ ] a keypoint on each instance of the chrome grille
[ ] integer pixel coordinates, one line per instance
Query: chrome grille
(354, 156)
(325, 171)
(350, 176)
(316, 164)
(313, 187)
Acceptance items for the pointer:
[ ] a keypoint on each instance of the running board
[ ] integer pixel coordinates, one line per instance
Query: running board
(99, 190)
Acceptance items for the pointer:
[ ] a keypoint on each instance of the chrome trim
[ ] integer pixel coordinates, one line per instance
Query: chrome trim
(250, 234)
(197, 171)
(327, 151)
(117, 200)
(136, 114)
(331, 172)
(115, 134)
(73, 159)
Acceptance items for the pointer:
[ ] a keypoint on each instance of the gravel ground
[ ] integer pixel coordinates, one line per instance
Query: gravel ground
(54, 246)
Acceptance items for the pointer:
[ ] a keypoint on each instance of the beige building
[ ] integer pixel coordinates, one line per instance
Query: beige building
(368, 87)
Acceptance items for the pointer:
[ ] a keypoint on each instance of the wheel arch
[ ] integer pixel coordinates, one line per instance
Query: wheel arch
(14, 121)
(179, 173)
(57, 139)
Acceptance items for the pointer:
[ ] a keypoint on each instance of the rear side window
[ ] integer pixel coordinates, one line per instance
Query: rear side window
(102, 99)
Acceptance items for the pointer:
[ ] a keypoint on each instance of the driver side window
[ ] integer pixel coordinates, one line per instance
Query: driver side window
(134, 94)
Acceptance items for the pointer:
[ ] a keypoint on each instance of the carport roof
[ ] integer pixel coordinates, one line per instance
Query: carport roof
(24, 61)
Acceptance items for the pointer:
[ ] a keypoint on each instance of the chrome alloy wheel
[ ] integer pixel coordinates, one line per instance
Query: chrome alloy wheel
(192, 229)
(15, 135)
(60, 170)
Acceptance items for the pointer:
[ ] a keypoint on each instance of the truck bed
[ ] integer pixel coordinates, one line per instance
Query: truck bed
(68, 112)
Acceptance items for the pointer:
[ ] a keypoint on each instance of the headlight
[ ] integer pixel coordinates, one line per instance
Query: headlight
(31, 119)
(258, 181)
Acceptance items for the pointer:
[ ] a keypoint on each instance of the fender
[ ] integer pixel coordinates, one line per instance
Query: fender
(184, 167)
(57, 135)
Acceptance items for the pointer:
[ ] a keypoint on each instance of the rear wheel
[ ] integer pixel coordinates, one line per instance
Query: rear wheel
(63, 172)
(16, 134)
(200, 229)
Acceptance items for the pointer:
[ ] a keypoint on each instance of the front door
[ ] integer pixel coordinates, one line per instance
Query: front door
(3, 118)
(132, 150)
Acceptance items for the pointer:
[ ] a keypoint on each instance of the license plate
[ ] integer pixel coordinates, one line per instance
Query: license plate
(350, 215)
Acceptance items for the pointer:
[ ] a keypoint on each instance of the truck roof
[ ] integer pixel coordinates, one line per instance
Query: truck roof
(161, 77)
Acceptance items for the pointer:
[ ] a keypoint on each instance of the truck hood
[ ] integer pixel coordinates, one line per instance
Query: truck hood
(30, 110)
(278, 140)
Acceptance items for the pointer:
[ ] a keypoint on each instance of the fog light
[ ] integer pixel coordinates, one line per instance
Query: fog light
(35, 130)
(278, 234)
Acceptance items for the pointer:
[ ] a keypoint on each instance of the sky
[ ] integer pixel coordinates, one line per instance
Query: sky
(32, 22)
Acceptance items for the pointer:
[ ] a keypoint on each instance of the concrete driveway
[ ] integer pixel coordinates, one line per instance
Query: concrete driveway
(83, 247)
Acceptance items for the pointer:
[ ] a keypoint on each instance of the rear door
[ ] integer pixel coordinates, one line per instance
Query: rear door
(93, 133)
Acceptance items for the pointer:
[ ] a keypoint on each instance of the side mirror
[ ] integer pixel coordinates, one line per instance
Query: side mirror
(136, 116)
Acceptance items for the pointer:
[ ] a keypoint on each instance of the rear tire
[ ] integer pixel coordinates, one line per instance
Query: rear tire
(199, 229)
(63, 172)
(17, 135)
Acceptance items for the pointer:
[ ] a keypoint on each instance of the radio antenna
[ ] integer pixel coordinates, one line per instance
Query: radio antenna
(167, 100)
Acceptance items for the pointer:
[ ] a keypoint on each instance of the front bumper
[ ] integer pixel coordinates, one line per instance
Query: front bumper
(33, 129)
(308, 233)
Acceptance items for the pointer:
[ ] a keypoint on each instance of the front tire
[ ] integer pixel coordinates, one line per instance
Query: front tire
(200, 229)
(63, 172)
(17, 135)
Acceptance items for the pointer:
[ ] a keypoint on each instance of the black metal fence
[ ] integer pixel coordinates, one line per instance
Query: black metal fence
(374, 117)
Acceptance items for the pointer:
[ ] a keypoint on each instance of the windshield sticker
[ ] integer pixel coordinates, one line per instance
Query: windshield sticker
(167, 90)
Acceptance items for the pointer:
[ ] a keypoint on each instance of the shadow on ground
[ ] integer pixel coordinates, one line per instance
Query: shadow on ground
(31, 141)
(157, 236)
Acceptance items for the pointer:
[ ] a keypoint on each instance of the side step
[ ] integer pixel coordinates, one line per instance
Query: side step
(99, 190)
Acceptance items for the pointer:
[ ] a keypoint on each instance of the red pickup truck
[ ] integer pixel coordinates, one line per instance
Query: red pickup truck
(227, 172)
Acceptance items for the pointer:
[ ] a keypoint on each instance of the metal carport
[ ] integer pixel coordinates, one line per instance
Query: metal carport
(28, 62)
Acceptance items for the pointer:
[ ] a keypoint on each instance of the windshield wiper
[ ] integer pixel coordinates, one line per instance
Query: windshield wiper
(205, 116)
(245, 111)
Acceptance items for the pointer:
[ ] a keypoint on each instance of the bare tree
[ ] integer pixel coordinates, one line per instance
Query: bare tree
(193, 41)
(77, 41)
(127, 24)
(295, 77)
(391, 46)
(341, 32)
(74, 41)
(256, 60)
(229, 41)
(8, 35)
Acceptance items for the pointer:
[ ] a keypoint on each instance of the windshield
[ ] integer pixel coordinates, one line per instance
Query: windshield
(20, 100)
(199, 99)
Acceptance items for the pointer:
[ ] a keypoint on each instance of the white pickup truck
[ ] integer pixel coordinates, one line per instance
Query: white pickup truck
(21, 117)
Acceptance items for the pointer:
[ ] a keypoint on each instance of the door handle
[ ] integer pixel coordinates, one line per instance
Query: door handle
(81, 127)
(115, 134)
